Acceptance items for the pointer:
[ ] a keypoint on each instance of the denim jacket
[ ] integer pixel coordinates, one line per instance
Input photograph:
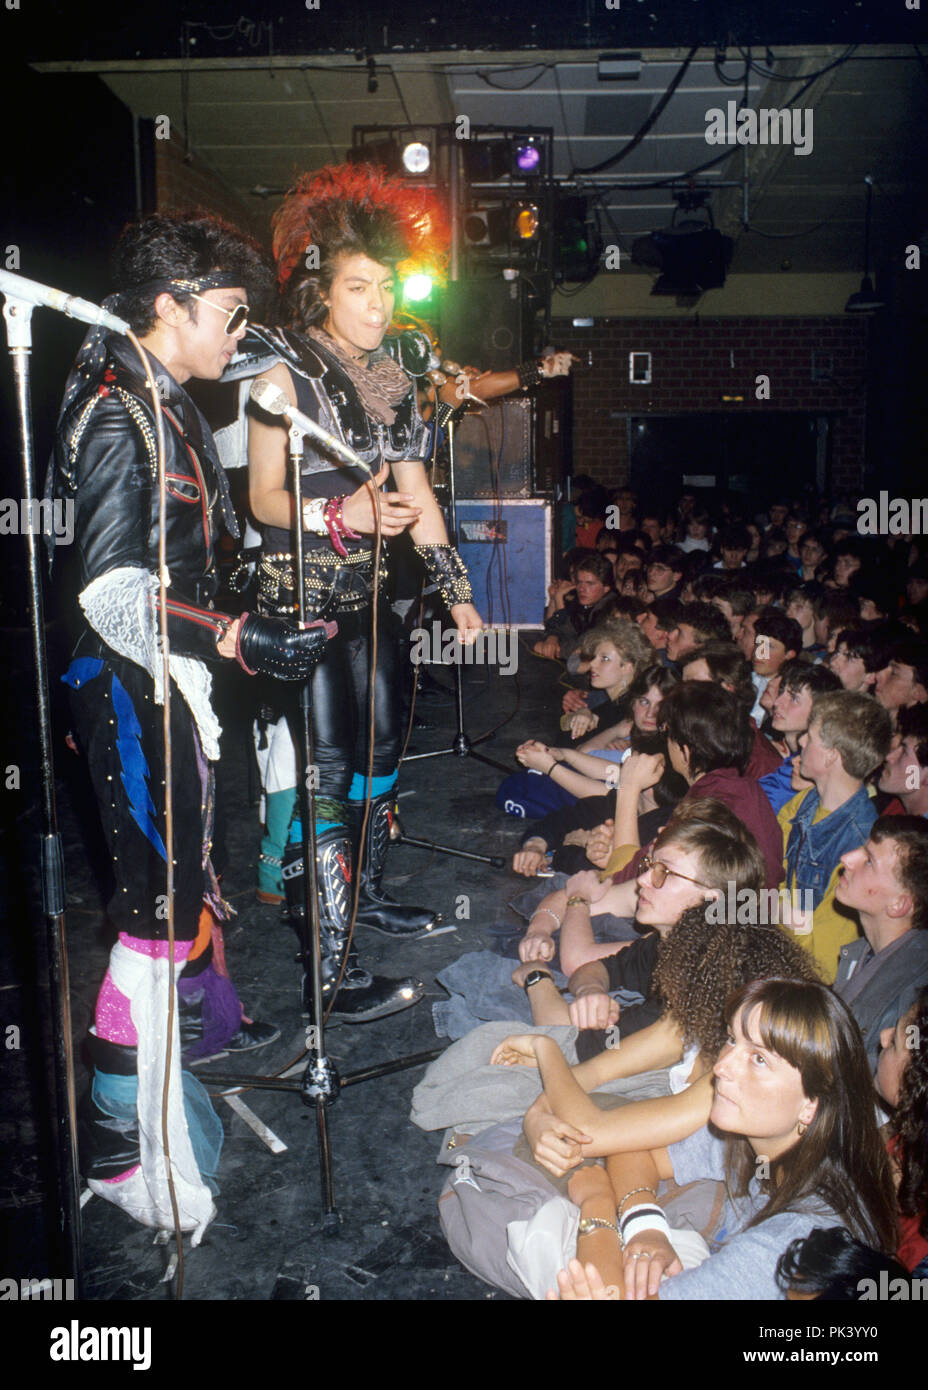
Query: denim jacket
(813, 851)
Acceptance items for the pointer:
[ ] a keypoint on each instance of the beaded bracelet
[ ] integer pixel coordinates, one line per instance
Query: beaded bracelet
(549, 913)
(634, 1192)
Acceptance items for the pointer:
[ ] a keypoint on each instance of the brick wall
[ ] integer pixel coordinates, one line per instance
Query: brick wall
(181, 186)
(691, 370)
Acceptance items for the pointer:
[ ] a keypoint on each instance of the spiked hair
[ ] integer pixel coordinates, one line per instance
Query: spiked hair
(351, 209)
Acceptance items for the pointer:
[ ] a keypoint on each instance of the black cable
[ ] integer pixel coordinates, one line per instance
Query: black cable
(636, 139)
(499, 87)
(788, 236)
(772, 76)
(321, 117)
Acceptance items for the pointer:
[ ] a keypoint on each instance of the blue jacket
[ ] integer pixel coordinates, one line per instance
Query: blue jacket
(813, 851)
(777, 785)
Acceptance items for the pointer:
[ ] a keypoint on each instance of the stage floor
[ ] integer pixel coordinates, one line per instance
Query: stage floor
(266, 1242)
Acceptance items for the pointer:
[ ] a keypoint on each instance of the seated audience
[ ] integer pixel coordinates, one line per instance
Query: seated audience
(645, 695)
(664, 571)
(905, 773)
(834, 609)
(831, 1265)
(658, 619)
(709, 741)
(859, 656)
(698, 532)
(732, 545)
(798, 685)
(723, 663)
(847, 739)
(619, 652)
(800, 605)
(574, 612)
(885, 882)
(904, 681)
(776, 639)
(847, 556)
(813, 552)
(696, 623)
(793, 1136)
(735, 602)
(902, 1081)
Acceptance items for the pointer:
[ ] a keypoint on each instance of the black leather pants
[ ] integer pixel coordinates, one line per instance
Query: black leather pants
(339, 703)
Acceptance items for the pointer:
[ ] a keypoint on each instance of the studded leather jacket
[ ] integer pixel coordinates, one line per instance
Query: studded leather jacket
(105, 464)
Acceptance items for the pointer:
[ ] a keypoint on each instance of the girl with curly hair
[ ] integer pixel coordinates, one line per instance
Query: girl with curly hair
(699, 966)
(902, 1081)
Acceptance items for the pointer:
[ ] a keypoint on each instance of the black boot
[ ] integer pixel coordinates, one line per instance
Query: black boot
(376, 909)
(361, 996)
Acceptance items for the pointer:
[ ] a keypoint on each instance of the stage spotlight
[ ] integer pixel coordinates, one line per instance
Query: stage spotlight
(527, 157)
(416, 158)
(526, 222)
(577, 243)
(487, 226)
(417, 287)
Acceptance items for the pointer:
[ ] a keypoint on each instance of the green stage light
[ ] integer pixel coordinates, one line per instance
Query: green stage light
(417, 287)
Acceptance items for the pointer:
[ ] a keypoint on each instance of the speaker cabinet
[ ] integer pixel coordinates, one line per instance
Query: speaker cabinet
(486, 323)
(493, 450)
(506, 547)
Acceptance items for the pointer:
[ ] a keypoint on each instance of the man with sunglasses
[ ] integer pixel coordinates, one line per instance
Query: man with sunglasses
(184, 285)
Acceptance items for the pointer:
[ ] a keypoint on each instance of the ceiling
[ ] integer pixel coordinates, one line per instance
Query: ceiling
(257, 122)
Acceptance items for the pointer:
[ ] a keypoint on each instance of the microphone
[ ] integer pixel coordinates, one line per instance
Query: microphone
(18, 287)
(270, 398)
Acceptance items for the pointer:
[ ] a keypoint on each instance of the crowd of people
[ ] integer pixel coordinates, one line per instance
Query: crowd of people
(698, 1069)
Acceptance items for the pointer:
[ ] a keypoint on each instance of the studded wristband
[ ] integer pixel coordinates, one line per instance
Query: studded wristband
(447, 571)
(529, 374)
(445, 413)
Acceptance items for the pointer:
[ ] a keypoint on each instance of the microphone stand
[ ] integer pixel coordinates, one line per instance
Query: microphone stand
(320, 1084)
(18, 315)
(462, 746)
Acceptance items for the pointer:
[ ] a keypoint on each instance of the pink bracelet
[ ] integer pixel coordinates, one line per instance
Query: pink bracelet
(329, 512)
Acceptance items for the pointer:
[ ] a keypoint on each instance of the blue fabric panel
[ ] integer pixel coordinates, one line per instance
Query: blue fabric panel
(135, 766)
(82, 670)
(117, 1097)
(379, 785)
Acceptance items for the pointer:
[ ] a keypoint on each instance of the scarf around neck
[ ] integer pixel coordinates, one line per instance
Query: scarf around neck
(381, 386)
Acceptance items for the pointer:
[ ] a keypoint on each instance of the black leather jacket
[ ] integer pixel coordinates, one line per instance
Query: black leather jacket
(105, 463)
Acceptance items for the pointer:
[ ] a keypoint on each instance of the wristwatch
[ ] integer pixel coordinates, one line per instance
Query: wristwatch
(596, 1223)
(534, 976)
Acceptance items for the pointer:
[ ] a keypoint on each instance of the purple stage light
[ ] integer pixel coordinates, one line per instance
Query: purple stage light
(528, 157)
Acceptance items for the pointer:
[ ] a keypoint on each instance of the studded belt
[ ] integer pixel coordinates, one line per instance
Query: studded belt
(343, 585)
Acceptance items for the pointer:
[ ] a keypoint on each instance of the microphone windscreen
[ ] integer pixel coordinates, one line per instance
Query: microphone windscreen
(269, 397)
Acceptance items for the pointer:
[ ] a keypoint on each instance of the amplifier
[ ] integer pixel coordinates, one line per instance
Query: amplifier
(493, 450)
(506, 547)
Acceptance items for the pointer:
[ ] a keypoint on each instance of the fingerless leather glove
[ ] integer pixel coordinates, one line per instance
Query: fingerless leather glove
(274, 647)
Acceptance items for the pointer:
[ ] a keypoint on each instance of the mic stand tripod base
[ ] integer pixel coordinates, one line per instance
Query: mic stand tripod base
(320, 1083)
